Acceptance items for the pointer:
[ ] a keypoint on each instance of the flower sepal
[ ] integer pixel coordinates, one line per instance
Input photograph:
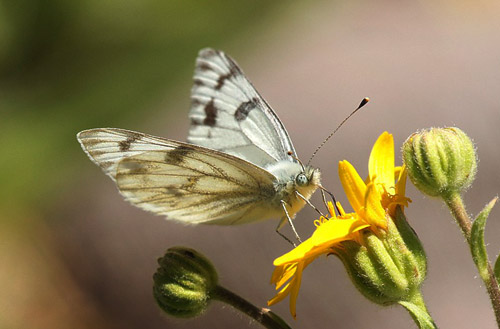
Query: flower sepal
(385, 266)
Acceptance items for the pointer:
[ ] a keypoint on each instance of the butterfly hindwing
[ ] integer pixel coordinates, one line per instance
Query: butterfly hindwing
(182, 181)
(229, 115)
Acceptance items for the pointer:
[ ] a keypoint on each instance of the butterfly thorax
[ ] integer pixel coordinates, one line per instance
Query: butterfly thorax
(286, 184)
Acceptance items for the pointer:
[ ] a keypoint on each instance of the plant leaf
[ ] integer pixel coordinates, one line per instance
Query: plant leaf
(420, 315)
(477, 246)
(496, 270)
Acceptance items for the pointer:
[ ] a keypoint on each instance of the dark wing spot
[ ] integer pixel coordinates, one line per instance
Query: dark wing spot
(235, 69)
(176, 193)
(211, 112)
(195, 102)
(198, 82)
(105, 164)
(129, 166)
(195, 122)
(244, 109)
(204, 67)
(222, 79)
(176, 156)
(125, 145)
(90, 142)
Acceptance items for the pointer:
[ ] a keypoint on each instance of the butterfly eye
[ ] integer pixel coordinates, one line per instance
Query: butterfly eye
(301, 180)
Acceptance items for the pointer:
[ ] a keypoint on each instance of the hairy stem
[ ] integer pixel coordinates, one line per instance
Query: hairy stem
(262, 315)
(457, 207)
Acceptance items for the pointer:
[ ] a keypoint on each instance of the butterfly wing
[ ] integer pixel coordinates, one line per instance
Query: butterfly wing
(229, 115)
(185, 182)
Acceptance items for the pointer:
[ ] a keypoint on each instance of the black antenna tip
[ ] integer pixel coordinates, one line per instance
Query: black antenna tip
(289, 153)
(363, 102)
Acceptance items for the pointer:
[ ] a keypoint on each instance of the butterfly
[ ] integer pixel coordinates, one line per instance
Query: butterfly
(239, 164)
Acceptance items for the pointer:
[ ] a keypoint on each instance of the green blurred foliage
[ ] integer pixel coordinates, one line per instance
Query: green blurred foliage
(70, 65)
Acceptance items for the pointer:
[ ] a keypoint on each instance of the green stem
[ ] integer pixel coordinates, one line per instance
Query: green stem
(457, 207)
(418, 311)
(262, 315)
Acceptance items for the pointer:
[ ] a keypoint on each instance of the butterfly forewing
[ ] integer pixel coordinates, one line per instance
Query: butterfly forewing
(229, 115)
(185, 182)
(106, 147)
(237, 169)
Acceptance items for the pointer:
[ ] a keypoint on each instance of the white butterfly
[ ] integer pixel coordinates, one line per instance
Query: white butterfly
(237, 167)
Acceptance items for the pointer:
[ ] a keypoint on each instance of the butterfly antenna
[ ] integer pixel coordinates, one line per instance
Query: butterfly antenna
(363, 103)
(290, 153)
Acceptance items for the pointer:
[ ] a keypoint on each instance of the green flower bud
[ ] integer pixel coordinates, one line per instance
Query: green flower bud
(184, 282)
(387, 267)
(440, 161)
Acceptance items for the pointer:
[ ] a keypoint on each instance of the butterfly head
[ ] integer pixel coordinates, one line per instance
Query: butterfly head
(307, 181)
(309, 176)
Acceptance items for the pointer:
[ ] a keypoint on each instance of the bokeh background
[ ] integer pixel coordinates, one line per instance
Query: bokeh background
(73, 254)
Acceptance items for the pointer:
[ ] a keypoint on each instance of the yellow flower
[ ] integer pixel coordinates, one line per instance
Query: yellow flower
(372, 200)
(384, 188)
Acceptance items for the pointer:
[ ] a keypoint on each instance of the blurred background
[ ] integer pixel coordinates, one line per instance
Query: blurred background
(73, 254)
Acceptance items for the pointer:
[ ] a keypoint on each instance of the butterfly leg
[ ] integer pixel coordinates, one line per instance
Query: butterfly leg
(324, 199)
(309, 203)
(323, 190)
(280, 225)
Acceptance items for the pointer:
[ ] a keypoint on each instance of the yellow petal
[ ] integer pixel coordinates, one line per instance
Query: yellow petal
(294, 293)
(374, 212)
(325, 236)
(335, 231)
(292, 287)
(381, 162)
(290, 271)
(280, 295)
(331, 209)
(401, 183)
(297, 253)
(341, 210)
(354, 186)
(397, 172)
(277, 273)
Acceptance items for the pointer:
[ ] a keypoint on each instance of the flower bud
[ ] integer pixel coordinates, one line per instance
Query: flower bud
(440, 161)
(387, 267)
(184, 282)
